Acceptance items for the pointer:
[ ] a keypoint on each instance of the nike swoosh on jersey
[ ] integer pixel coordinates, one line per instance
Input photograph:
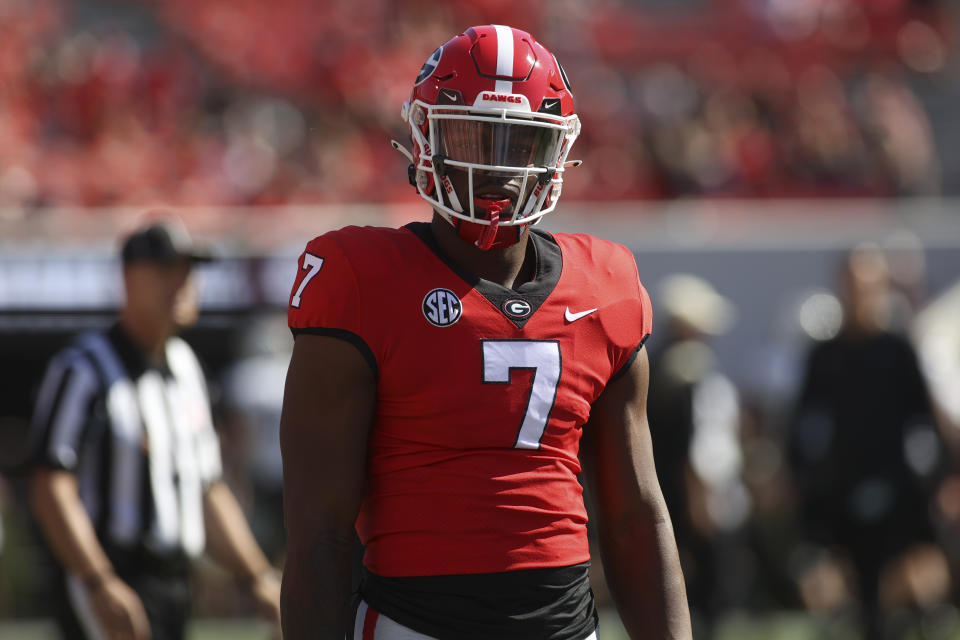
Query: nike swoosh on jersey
(572, 317)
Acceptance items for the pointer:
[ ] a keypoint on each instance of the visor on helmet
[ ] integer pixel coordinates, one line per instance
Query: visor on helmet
(495, 143)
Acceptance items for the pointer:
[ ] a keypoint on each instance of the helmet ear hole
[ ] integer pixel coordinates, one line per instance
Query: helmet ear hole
(423, 182)
(417, 115)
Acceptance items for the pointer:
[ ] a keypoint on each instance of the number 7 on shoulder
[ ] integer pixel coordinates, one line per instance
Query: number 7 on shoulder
(312, 264)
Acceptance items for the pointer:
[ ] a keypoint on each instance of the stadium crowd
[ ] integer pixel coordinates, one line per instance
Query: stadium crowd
(112, 102)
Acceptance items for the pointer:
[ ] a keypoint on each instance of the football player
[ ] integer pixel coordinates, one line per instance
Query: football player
(450, 380)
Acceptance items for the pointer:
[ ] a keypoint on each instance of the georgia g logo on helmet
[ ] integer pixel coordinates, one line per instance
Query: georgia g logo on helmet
(429, 66)
(491, 120)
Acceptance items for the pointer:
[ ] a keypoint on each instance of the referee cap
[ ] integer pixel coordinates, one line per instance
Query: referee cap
(163, 242)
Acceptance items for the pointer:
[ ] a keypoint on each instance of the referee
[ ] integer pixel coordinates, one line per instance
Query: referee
(126, 486)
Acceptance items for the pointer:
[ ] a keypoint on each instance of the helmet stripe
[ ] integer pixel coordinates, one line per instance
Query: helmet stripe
(504, 58)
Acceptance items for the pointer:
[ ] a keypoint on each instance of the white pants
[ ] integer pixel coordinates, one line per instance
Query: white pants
(373, 625)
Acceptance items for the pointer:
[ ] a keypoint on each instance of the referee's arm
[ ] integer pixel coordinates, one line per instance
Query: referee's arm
(59, 423)
(231, 543)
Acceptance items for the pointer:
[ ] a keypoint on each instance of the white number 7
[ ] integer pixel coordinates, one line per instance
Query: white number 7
(501, 357)
(313, 263)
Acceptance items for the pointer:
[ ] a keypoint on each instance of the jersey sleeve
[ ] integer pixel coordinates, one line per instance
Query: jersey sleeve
(646, 312)
(640, 322)
(326, 298)
(63, 410)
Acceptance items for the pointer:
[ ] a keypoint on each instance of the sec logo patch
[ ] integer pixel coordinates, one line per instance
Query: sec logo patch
(442, 307)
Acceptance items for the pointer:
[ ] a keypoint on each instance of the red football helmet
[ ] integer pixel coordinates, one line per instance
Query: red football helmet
(491, 121)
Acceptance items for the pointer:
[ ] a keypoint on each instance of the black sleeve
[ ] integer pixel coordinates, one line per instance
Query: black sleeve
(70, 388)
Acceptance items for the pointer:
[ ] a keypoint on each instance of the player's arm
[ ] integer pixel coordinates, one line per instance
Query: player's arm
(637, 544)
(328, 409)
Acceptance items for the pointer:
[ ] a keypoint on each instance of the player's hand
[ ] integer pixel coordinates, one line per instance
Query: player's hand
(119, 610)
(266, 593)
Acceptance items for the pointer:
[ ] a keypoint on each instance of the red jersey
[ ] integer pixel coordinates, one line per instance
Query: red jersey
(482, 391)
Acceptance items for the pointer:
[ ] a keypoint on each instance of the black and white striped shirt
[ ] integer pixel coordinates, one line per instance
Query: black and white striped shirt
(138, 436)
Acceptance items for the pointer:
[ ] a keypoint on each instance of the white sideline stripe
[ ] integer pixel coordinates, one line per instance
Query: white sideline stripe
(504, 58)
(80, 601)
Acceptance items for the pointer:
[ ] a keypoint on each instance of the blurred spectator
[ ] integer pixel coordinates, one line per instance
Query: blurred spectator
(936, 333)
(694, 414)
(907, 266)
(240, 102)
(900, 134)
(867, 458)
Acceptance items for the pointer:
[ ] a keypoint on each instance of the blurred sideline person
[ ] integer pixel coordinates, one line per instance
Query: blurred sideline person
(449, 379)
(936, 332)
(694, 412)
(867, 458)
(126, 486)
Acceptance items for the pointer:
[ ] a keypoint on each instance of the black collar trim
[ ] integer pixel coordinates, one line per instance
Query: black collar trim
(534, 293)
